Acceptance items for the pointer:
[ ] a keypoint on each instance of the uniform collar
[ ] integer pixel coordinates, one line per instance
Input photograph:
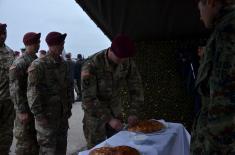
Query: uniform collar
(53, 59)
(4, 49)
(109, 65)
(4, 45)
(31, 55)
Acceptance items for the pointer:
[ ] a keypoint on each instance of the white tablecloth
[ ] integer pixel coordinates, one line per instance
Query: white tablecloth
(175, 140)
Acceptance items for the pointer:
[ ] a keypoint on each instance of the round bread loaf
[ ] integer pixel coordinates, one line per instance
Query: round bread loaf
(119, 150)
(147, 126)
(125, 150)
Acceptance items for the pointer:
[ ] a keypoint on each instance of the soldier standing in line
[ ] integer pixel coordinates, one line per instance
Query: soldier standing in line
(71, 64)
(24, 129)
(103, 75)
(77, 77)
(214, 129)
(7, 115)
(49, 97)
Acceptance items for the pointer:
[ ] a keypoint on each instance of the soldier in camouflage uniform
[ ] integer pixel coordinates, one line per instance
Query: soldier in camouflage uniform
(71, 64)
(214, 130)
(102, 76)
(49, 97)
(7, 113)
(77, 76)
(24, 130)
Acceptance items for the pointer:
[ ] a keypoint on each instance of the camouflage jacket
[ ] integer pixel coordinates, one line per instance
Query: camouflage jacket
(71, 65)
(101, 81)
(6, 59)
(49, 88)
(216, 83)
(77, 70)
(18, 81)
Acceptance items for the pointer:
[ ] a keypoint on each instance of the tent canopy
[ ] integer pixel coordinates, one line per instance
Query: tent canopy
(146, 20)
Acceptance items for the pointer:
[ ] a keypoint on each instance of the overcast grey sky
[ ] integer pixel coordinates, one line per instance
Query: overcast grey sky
(44, 16)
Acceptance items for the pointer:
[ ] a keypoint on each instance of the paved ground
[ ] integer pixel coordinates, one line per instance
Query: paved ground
(76, 138)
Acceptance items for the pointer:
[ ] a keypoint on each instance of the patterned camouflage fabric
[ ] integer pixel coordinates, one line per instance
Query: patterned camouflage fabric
(6, 106)
(71, 64)
(49, 98)
(101, 82)
(77, 78)
(214, 131)
(25, 134)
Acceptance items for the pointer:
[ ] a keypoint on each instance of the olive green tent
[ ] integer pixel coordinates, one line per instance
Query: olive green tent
(160, 29)
(146, 20)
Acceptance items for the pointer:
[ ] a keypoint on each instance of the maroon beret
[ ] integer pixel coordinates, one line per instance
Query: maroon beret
(123, 46)
(31, 38)
(55, 38)
(3, 27)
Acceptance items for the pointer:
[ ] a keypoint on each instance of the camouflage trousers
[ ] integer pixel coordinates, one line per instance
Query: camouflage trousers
(203, 143)
(95, 130)
(77, 87)
(52, 136)
(25, 134)
(7, 116)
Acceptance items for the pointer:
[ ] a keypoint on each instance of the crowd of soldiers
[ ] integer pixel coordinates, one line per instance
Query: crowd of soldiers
(36, 94)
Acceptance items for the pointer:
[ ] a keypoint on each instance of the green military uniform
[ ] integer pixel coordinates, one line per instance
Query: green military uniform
(49, 97)
(25, 134)
(214, 131)
(71, 64)
(77, 78)
(6, 106)
(101, 81)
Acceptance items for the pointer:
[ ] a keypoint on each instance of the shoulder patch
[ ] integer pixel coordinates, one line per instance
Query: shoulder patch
(12, 67)
(31, 68)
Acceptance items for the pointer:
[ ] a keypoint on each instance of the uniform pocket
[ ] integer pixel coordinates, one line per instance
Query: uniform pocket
(105, 84)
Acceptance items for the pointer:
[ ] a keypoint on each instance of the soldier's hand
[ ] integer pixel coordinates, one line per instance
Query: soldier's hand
(116, 124)
(23, 117)
(132, 120)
